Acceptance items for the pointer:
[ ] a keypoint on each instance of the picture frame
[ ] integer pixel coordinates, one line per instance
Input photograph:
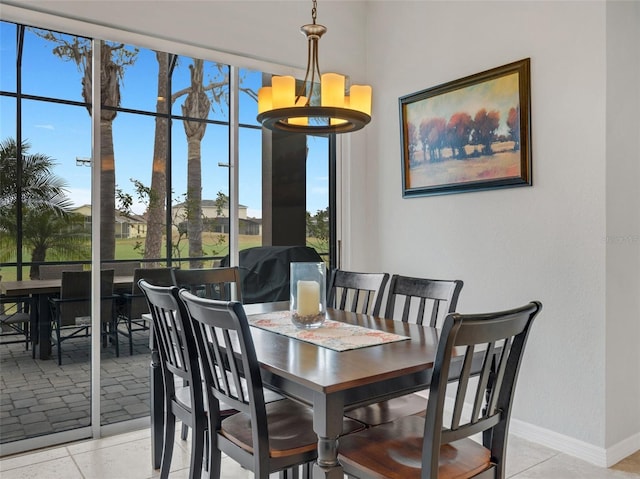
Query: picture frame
(469, 134)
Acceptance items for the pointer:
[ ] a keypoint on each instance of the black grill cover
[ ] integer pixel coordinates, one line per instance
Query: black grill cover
(265, 270)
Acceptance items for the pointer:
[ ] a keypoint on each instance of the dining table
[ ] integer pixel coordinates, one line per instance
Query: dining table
(40, 290)
(328, 380)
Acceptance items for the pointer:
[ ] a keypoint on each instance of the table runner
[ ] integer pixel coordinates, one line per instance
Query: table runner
(332, 334)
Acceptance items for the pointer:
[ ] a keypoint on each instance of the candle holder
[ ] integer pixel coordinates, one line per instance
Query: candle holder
(308, 302)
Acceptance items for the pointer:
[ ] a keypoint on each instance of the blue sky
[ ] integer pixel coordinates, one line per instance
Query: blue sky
(63, 131)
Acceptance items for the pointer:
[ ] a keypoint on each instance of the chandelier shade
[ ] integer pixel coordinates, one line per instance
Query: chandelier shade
(316, 109)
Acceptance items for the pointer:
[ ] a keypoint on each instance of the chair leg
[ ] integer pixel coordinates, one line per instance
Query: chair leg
(58, 344)
(197, 450)
(130, 328)
(167, 446)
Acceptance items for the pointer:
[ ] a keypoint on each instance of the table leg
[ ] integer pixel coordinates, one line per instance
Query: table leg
(157, 403)
(327, 424)
(42, 321)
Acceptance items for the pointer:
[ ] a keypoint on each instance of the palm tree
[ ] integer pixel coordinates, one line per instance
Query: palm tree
(114, 58)
(48, 227)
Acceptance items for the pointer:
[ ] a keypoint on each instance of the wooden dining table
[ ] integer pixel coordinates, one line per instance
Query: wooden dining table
(331, 381)
(40, 290)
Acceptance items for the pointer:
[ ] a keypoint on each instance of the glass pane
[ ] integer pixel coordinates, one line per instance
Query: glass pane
(318, 195)
(43, 397)
(8, 57)
(139, 88)
(209, 156)
(62, 134)
(250, 83)
(56, 55)
(209, 78)
(250, 188)
(133, 141)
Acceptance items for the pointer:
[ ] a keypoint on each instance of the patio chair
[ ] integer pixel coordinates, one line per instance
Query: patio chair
(54, 271)
(212, 283)
(15, 320)
(133, 309)
(417, 447)
(71, 311)
(124, 268)
(415, 299)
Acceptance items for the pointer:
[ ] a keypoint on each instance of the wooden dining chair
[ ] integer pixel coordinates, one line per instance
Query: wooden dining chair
(422, 298)
(411, 300)
(212, 283)
(430, 446)
(356, 292)
(263, 438)
(71, 311)
(178, 361)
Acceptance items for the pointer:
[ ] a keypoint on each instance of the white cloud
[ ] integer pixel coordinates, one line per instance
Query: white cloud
(46, 127)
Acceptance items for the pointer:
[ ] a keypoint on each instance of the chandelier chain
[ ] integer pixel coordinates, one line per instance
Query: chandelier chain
(314, 11)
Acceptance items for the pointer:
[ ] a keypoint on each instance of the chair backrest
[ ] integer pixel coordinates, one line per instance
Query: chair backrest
(212, 283)
(54, 271)
(75, 296)
(230, 367)
(138, 305)
(175, 341)
(356, 292)
(498, 341)
(122, 268)
(421, 297)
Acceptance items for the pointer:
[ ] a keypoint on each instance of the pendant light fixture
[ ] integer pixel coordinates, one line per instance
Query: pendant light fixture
(311, 110)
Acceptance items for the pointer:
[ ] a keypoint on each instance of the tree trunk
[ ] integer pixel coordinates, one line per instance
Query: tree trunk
(196, 105)
(158, 192)
(107, 192)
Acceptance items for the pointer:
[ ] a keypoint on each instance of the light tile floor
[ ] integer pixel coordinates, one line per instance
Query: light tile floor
(127, 456)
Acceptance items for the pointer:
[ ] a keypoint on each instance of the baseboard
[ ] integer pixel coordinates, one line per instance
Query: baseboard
(598, 456)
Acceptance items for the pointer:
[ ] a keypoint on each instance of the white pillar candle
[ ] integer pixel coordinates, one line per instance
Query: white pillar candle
(308, 298)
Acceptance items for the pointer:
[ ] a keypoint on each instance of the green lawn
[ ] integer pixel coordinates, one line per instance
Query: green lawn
(125, 249)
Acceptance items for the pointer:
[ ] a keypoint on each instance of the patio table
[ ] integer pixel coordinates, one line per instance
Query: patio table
(41, 290)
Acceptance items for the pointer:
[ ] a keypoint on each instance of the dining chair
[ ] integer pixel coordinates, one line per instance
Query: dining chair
(212, 283)
(416, 299)
(263, 438)
(421, 298)
(71, 311)
(430, 446)
(356, 292)
(178, 363)
(133, 308)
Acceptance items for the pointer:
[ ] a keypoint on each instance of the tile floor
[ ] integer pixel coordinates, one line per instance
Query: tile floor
(127, 456)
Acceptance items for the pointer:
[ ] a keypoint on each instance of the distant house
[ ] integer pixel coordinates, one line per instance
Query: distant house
(217, 220)
(127, 225)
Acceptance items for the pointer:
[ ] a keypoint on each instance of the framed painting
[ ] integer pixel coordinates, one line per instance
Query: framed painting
(469, 134)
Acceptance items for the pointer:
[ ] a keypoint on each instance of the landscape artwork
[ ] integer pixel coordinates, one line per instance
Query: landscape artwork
(468, 134)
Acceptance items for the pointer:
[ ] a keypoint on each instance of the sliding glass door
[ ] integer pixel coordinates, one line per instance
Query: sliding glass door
(180, 185)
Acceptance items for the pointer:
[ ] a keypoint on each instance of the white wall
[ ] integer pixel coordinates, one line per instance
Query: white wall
(550, 242)
(546, 242)
(623, 222)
